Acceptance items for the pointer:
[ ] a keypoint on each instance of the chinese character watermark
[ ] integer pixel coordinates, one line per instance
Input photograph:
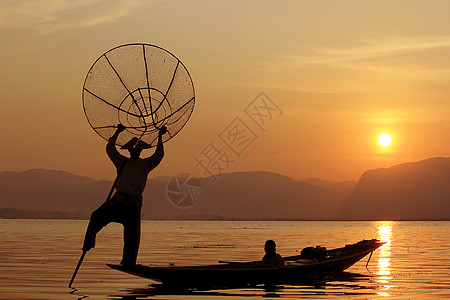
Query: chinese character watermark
(262, 110)
(218, 155)
(212, 160)
(238, 136)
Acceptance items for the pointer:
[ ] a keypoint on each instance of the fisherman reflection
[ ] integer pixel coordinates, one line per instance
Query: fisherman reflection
(271, 257)
(125, 205)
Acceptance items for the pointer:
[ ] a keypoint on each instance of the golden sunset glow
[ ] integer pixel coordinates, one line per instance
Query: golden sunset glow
(384, 140)
(337, 76)
(384, 260)
(262, 148)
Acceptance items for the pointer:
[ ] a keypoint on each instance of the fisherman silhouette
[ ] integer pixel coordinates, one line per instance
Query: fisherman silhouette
(125, 205)
(272, 257)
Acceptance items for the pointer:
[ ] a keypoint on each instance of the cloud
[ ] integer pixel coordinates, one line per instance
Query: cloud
(47, 16)
(382, 54)
(376, 48)
(361, 65)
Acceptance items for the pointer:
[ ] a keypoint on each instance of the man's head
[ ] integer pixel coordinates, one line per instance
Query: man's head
(270, 247)
(135, 153)
(135, 147)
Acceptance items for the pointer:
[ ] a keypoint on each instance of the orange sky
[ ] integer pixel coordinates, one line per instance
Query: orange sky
(342, 72)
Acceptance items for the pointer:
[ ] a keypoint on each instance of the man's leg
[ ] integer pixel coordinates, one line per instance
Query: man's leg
(99, 219)
(131, 236)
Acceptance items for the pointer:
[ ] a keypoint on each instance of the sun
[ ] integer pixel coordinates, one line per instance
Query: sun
(384, 140)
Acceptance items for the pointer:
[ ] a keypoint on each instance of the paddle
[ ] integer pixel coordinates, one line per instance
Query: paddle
(107, 199)
(76, 269)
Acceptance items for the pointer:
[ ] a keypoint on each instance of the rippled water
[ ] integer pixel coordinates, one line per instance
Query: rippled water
(38, 257)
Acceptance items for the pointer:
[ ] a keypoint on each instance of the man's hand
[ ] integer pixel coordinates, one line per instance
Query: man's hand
(162, 130)
(120, 128)
(89, 243)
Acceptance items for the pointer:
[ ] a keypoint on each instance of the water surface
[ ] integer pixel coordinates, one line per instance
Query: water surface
(38, 257)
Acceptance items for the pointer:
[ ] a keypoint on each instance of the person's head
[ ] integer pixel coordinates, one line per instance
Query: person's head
(135, 147)
(270, 247)
(135, 152)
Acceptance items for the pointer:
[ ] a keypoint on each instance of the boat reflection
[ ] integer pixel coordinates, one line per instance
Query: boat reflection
(384, 257)
(317, 287)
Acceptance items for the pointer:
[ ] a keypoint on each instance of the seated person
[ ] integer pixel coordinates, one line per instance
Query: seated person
(272, 258)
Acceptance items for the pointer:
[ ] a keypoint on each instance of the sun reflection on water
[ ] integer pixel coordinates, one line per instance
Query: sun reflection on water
(384, 257)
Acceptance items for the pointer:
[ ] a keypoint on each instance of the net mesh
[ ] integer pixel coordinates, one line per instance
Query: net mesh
(141, 86)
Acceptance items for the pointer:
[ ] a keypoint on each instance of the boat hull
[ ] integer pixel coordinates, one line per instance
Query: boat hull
(336, 260)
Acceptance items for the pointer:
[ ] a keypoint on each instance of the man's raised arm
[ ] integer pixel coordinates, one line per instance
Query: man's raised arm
(111, 150)
(156, 158)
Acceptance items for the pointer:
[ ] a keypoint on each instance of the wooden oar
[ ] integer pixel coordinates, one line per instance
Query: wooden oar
(107, 199)
(369, 259)
(76, 269)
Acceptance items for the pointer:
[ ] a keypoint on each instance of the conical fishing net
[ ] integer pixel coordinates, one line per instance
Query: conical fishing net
(141, 86)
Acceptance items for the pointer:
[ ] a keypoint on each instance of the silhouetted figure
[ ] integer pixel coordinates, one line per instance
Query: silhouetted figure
(272, 258)
(125, 205)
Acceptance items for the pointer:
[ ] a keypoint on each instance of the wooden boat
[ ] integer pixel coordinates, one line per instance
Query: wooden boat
(312, 261)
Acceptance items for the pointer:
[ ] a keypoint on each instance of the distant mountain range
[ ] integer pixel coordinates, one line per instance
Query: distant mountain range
(417, 190)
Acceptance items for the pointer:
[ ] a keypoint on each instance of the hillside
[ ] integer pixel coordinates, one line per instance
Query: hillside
(251, 195)
(39, 177)
(254, 195)
(417, 190)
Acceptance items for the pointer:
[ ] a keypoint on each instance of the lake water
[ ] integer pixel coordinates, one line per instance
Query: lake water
(38, 257)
